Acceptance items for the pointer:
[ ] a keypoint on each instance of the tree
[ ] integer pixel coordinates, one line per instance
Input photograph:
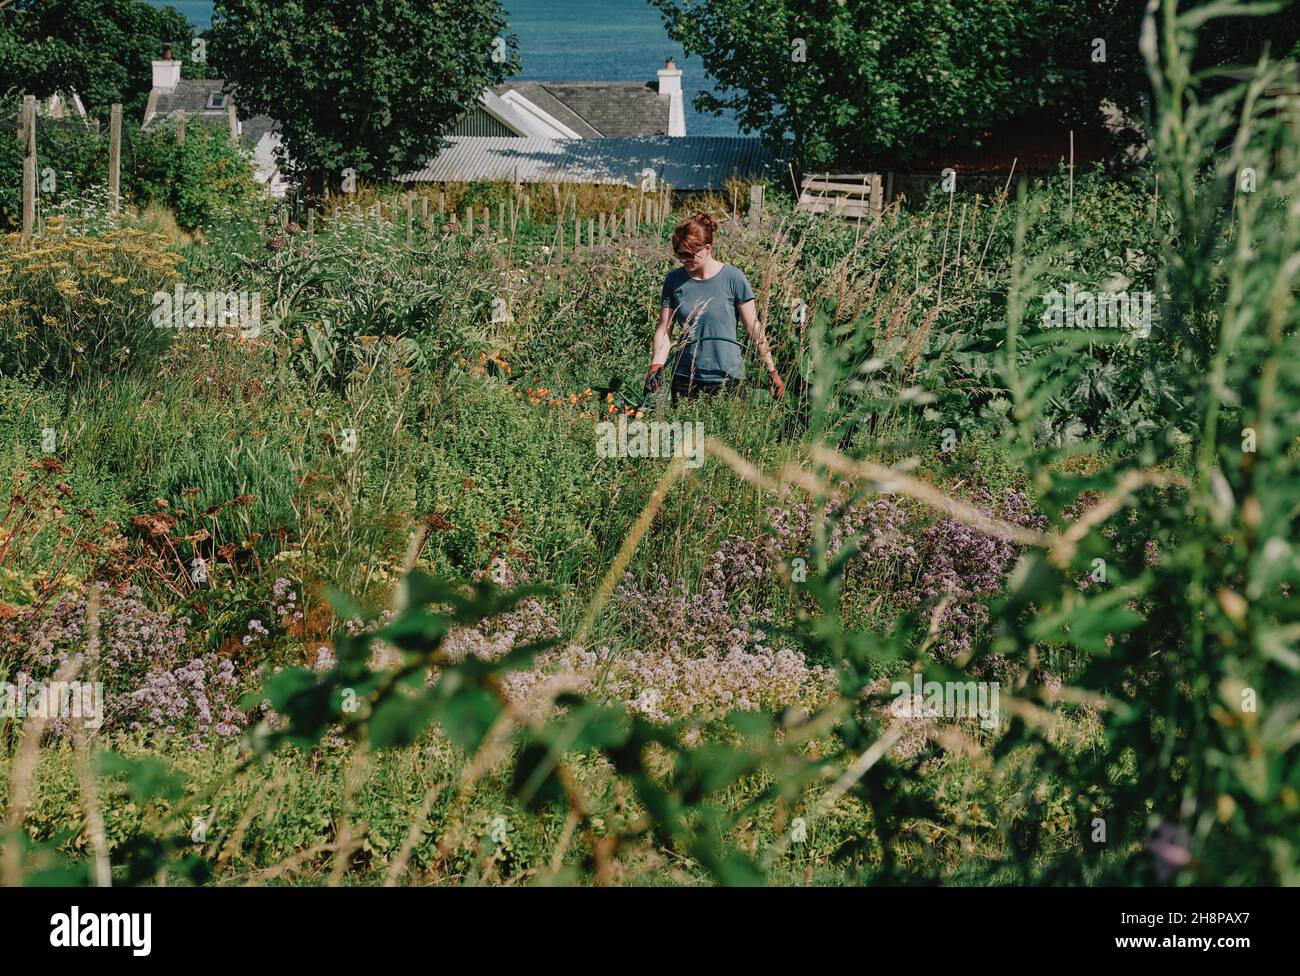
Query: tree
(370, 87)
(856, 82)
(101, 49)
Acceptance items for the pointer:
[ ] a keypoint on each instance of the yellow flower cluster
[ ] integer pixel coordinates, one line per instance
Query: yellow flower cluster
(66, 278)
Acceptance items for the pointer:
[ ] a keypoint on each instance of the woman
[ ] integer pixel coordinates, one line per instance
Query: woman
(705, 297)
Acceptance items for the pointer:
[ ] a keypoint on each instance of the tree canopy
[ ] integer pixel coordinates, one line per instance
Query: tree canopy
(370, 87)
(101, 49)
(858, 81)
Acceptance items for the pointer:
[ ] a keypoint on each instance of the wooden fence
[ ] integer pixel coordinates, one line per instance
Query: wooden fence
(853, 196)
(26, 131)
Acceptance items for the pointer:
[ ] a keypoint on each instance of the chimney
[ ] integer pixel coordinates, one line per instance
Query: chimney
(670, 84)
(167, 72)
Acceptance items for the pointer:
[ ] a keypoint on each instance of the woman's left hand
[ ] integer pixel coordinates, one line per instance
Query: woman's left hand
(778, 388)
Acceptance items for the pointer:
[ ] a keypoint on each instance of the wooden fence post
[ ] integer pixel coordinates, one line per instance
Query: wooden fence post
(311, 221)
(527, 212)
(27, 129)
(755, 206)
(410, 221)
(602, 228)
(442, 202)
(115, 158)
(469, 220)
(501, 217)
(180, 127)
(591, 232)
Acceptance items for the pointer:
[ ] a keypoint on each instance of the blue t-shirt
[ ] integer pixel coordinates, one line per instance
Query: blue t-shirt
(706, 313)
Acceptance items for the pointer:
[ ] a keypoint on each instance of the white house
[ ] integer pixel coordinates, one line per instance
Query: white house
(580, 109)
(203, 100)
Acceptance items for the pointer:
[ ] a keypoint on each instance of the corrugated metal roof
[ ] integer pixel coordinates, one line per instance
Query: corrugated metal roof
(684, 162)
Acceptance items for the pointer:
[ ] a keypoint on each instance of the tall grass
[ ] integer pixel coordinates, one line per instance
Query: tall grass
(1148, 708)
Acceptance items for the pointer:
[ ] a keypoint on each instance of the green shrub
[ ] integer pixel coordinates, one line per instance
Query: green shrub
(195, 180)
(79, 308)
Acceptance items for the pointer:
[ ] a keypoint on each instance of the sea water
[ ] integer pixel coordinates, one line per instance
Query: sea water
(580, 40)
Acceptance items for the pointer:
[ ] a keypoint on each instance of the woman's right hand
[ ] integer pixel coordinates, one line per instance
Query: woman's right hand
(654, 379)
(778, 388)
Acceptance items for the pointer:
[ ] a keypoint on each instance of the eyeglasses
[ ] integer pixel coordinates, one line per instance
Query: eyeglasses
(687, 255)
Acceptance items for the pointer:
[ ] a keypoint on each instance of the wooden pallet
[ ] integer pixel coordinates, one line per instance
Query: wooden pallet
(854, 196)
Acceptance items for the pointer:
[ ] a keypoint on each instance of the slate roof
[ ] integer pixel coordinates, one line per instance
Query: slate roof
(252, 130)
(685, 162)
(191, 96)
(599, 109)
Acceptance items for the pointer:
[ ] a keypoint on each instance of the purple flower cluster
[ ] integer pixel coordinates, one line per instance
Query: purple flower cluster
(918, 565)
(695, 653)
(704, 650)
(195, 699)
(149, 679)
(325, 660)
(530, 621)
(285, 597)
(255, 630)
(672, 620)
(665, 685)
(877, 524)
(132, 636)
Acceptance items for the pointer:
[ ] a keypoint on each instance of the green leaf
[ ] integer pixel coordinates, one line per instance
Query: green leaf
(400, 719)
(467, 715)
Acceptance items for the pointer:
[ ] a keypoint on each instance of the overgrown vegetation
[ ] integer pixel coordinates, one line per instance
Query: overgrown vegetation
(469, 650)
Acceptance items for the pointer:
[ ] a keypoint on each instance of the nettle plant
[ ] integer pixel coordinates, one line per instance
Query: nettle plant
(1190, 640)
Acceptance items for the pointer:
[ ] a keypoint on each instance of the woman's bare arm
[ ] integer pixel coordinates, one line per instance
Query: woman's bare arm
(757, 335)
(663, 339)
